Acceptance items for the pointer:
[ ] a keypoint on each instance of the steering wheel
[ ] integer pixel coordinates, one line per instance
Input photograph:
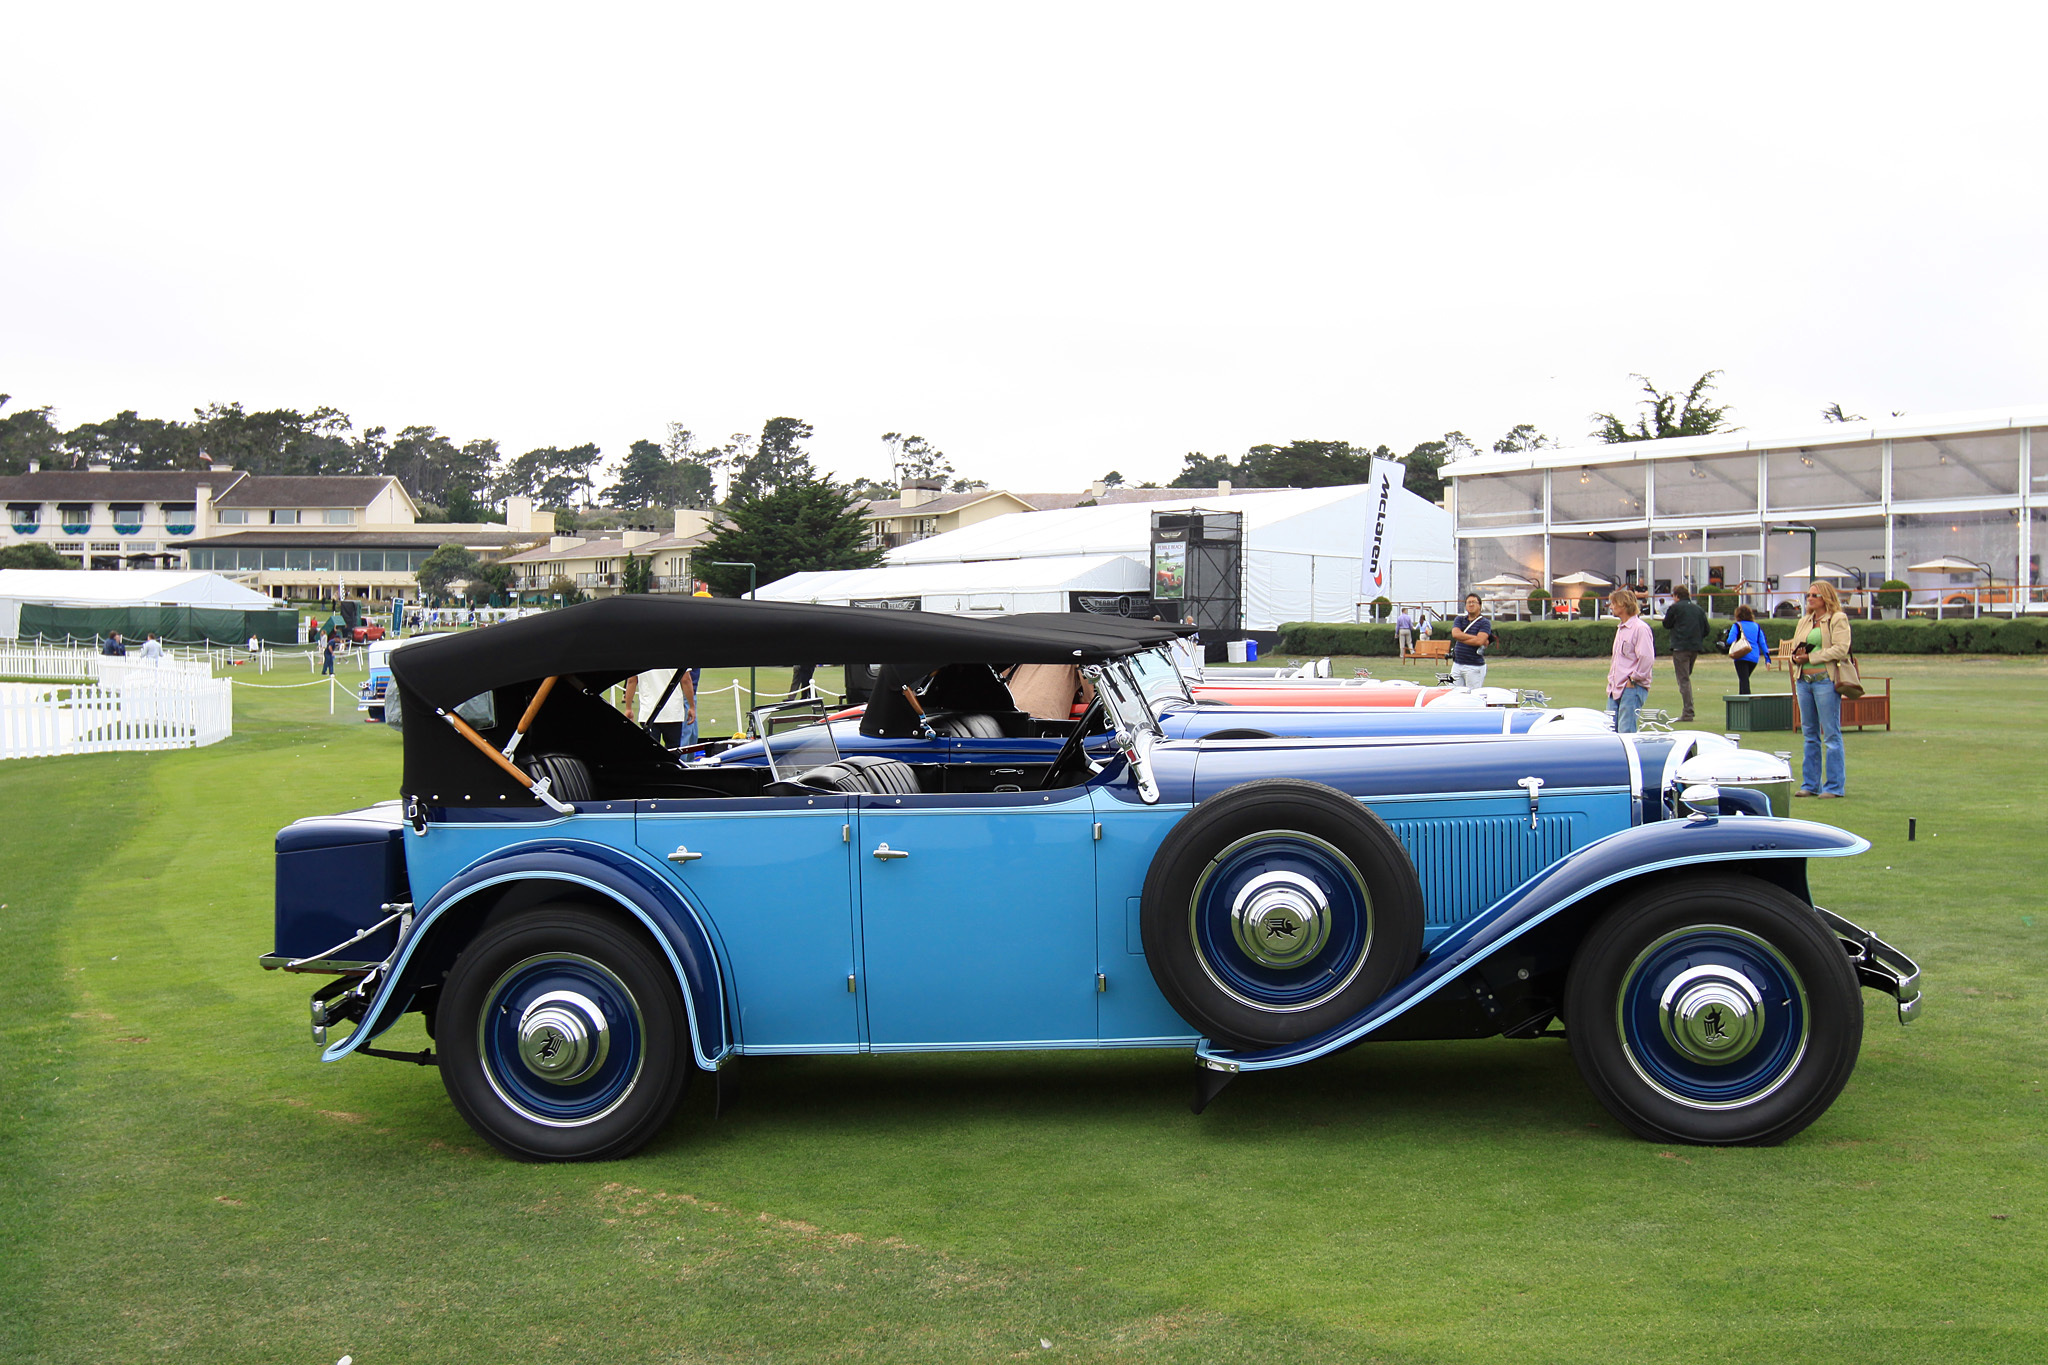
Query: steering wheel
(1070, 750)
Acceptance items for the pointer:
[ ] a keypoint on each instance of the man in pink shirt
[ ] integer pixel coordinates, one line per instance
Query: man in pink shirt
(1635, 653)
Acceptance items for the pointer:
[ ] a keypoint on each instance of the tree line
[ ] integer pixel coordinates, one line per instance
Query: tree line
(463, 479)
(450, 479)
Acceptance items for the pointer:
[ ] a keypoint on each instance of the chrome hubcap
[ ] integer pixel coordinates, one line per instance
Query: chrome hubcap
(1711, 1014)
(1280, 919)
(563, 1037)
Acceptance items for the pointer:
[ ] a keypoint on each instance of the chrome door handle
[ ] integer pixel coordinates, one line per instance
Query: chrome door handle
(885, 853)
(683, 855)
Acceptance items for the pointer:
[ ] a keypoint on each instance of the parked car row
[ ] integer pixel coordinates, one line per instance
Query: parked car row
(585, 921)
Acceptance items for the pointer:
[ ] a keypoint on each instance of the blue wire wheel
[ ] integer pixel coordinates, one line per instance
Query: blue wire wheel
(1280, 921)
(561, 1039)
(1713, 1017)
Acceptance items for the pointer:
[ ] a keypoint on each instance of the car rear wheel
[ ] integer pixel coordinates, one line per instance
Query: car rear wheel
(1719, 1011)
(562, 1036)
(1278, 909)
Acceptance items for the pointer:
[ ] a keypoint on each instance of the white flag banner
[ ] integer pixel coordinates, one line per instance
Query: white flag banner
(1375, 571)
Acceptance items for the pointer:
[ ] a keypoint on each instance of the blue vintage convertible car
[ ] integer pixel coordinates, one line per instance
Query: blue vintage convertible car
(584, 921)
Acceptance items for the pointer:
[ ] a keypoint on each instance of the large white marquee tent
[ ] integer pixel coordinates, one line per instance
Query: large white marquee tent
(128, 588)
(1303, 554)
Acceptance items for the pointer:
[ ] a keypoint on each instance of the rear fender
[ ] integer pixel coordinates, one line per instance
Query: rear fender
(1775, 850)
(460, 909)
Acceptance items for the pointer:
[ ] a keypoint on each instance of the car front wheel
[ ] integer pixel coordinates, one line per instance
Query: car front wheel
(562, 1036)
(1719, 1011)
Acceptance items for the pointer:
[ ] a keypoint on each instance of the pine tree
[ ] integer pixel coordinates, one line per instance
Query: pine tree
(806, 524)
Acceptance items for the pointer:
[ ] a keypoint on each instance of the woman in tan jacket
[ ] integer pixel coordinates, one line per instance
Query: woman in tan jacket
(1821, 638)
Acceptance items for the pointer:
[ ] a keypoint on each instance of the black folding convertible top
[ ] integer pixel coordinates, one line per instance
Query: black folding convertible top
(605, 640)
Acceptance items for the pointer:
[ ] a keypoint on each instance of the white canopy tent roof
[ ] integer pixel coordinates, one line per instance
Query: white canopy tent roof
(1303, 553)
(125, 588)
(996, 585)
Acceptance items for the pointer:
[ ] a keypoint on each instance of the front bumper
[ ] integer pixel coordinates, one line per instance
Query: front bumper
(1879, 965)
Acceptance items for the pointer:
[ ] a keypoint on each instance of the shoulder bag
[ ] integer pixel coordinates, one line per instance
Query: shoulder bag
(1848, 678)
(1738, 645)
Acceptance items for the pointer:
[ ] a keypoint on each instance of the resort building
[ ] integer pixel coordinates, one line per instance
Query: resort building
(596, 564)
(303, 536)
(1956, 507)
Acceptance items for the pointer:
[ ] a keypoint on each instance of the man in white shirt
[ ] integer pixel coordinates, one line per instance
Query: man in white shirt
(676, 723)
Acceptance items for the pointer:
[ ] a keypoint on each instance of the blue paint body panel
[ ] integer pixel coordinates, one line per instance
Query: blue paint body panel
(985, 934)
(598, 865)
(775, 878)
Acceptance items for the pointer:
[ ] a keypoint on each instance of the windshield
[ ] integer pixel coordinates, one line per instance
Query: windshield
(1161, 679)
(795, 751)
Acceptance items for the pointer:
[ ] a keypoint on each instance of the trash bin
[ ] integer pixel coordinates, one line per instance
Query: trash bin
(1234, 651)
(1251, 651)
(1762, 711)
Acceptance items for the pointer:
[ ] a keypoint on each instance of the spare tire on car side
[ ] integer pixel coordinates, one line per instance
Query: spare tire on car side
(1278, 909)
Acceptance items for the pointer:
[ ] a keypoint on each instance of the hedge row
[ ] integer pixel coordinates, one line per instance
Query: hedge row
(1595, 639)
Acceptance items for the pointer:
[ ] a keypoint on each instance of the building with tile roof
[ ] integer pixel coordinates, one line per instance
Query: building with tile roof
(288, 536)
(596, 564)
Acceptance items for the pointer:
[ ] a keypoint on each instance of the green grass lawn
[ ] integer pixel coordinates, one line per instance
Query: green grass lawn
(181, 1179)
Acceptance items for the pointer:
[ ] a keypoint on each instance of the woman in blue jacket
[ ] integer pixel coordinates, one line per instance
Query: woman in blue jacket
(1746, 660)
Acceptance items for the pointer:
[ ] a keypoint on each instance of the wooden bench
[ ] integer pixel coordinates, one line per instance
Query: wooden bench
(1429, 649)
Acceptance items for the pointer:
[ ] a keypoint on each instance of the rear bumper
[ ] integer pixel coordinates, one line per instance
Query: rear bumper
(1879, 965)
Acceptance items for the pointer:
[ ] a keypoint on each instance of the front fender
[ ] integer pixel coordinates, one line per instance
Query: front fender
(619, 878)
(1619, 857)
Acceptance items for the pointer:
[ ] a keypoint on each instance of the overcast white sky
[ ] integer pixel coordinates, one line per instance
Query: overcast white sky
(1052, 239)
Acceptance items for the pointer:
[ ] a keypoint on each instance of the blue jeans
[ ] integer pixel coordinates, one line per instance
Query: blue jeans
(1624, 707)
(1820, 717)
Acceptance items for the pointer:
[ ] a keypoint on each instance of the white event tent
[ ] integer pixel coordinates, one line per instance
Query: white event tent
(1303, 553)
(126, 588)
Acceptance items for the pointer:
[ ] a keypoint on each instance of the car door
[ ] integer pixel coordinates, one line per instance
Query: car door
(977, 918)
(771, 873)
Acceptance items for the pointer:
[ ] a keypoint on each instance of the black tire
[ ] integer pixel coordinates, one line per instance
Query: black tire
(1717, 1011)
(504, 1024)
(1278, 909)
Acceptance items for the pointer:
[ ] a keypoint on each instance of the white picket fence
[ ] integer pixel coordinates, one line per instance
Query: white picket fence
(130, 704)
(89, 665)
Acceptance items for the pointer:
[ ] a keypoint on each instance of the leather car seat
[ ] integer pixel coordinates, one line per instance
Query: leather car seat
(968, 725)
(869, 774)
(568, 777)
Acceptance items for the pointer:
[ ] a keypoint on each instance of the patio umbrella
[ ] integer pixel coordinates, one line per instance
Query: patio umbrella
(1820, 570)
(1505, 580)
(1582, 579)
(1946, 564)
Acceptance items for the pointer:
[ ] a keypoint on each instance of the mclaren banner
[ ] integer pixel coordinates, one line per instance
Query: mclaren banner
(1376, 571)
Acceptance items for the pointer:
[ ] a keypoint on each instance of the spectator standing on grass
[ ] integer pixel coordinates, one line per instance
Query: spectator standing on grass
(674, 725)
(151, 649)
(327, 660)
(1470, 635)
(1759, 651)
(1404, 632)
(113, 648)
(1688, 626)
(1635, 656)
(1820, 638)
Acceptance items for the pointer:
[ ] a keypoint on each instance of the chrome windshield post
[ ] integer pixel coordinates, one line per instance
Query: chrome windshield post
(1137, 729)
